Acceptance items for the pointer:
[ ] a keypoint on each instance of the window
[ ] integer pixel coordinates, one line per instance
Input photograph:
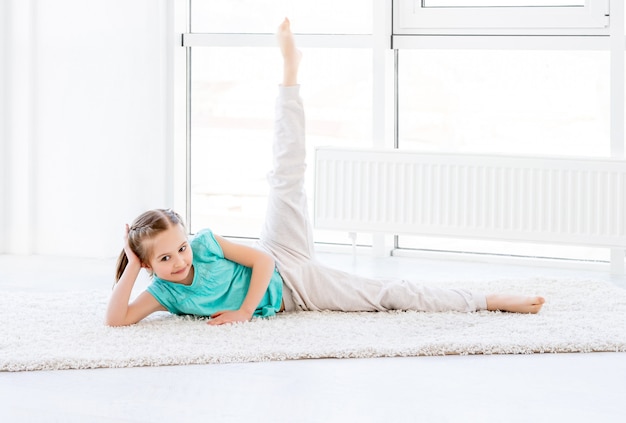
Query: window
(260, 16)
(504, 3)
(501, 16)
(232, 95)
(498, 90)
(525, 102)
(232, 120)
(502, 248)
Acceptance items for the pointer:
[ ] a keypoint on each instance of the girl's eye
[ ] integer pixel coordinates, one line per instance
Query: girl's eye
(165, 258)
(183, 248)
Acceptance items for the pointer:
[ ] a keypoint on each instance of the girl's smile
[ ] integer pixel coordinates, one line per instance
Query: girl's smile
(184, 269)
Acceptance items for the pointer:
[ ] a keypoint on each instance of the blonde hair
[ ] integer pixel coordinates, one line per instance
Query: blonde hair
(145, 227)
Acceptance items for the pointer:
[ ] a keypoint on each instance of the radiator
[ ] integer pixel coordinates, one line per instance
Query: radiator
(536, 199)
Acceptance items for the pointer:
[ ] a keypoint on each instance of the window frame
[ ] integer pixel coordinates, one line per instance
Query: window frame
(411, 17)
(389, 36)
(379, 41)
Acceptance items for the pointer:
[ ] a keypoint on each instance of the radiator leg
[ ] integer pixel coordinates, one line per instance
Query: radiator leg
(617, 261)
(352, 236)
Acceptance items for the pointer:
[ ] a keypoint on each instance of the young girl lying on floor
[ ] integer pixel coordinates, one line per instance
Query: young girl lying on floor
(208, 275)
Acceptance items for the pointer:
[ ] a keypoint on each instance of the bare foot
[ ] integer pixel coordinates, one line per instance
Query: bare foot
(514, 303)
(291, 55)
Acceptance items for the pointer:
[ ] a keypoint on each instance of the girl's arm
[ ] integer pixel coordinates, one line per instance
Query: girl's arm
(122, 313)
(119, 311)
(262, 265)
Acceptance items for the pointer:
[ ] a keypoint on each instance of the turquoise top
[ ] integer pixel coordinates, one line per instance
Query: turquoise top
(218, 284)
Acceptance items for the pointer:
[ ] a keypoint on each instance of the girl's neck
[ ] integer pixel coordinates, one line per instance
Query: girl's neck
(189, 279)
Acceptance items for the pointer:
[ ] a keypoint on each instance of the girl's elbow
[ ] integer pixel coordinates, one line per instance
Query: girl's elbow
(114, 321)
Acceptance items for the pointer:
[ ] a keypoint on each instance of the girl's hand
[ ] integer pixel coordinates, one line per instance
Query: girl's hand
(229, 316)
(132, 257)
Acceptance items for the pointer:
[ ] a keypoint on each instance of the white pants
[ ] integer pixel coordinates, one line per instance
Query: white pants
(287, 235)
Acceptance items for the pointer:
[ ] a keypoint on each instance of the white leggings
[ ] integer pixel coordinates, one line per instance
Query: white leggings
(287, 235)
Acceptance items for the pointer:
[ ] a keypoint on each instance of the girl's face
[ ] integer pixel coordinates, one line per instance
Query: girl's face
(172, 256)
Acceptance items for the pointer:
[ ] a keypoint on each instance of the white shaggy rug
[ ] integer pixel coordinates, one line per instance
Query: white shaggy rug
(65, 331)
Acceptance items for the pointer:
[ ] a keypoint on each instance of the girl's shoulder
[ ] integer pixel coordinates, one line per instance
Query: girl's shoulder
(204, 243)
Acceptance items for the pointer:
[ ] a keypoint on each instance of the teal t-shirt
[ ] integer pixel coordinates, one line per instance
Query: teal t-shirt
(218, 284)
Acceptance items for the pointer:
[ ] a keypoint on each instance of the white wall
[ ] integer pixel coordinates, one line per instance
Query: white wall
(87, 138)
(3, 154)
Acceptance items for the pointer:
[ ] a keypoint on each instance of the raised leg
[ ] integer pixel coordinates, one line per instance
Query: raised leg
(287, 229)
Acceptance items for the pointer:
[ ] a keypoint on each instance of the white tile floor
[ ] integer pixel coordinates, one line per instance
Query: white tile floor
(538, 388)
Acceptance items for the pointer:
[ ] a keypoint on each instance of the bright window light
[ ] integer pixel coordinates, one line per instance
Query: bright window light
(262, 16)
(502, 3)
(553, 103)
(232, 122)
(551, 17)
(521, 249)
(518, 102)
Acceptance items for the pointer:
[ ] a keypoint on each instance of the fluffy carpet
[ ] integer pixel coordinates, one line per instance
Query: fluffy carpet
(64, 330)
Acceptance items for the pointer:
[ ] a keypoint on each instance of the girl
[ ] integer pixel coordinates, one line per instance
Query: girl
(208, 275)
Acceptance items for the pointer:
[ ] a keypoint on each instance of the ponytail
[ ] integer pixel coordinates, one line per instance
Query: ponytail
(122, 262)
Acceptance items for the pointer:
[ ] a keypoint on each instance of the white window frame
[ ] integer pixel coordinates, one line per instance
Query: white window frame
(379, 42)
(411, 17)
(388, 37)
